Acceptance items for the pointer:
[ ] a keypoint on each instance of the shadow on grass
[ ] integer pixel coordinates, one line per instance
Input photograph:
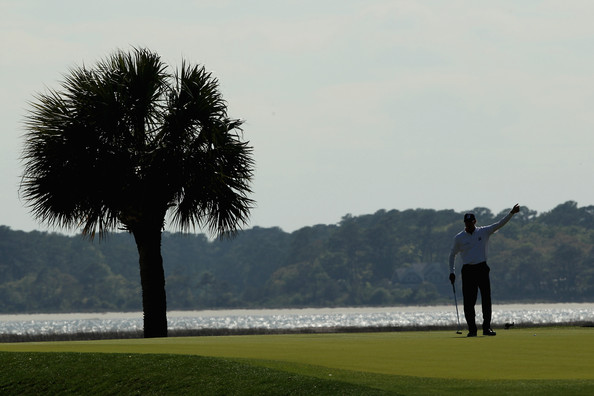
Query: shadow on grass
(126, 374)
(123, 374)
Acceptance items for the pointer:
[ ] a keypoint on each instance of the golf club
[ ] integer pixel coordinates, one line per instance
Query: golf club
(459, 331)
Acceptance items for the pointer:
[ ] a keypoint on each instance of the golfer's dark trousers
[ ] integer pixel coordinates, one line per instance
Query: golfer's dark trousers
(475, 277)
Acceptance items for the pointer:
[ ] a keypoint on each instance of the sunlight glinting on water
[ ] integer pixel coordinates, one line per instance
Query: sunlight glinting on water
(294, 318)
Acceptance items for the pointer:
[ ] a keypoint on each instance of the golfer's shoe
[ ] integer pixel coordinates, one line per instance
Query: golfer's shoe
(471, 334)
(489, 332)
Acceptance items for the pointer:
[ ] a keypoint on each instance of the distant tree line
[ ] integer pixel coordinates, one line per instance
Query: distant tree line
(386, 258)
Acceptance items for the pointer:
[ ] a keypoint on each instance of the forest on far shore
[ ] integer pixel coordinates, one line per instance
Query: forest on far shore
(387, 258)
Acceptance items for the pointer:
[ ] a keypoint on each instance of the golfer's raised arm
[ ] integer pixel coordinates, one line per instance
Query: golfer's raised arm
(494, 227)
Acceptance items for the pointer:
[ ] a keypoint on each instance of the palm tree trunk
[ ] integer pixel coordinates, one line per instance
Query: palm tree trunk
(152, 279)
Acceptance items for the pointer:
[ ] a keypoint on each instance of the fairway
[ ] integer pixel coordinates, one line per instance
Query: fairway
(542, 353)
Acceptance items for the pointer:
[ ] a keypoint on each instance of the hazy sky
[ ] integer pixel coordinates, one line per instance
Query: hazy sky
(351, 106)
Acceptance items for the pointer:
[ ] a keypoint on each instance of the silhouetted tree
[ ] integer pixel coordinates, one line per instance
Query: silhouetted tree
(126, 143)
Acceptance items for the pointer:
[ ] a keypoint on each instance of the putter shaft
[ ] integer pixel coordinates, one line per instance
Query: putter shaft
(457, 314)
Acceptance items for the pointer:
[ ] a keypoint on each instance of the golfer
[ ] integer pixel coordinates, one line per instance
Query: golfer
(472, 243)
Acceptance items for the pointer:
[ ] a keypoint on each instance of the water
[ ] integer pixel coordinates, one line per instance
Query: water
(294, 318)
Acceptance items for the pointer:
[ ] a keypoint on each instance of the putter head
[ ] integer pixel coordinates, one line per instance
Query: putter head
(458, 332)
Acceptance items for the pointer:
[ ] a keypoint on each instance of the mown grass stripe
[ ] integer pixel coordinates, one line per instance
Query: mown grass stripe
(542, 353)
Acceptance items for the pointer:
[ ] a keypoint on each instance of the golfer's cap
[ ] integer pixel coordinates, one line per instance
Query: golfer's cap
(469, 217)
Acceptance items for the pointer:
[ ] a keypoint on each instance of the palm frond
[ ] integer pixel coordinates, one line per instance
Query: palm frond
(216, 168)
(124, 141)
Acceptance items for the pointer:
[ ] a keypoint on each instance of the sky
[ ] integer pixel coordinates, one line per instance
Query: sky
(351, 106)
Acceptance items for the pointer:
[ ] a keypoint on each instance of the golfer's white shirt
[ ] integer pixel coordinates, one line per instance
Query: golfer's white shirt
(473, 247)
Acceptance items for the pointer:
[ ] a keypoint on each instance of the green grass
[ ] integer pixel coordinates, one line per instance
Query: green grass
(123, 374)
(520, 361)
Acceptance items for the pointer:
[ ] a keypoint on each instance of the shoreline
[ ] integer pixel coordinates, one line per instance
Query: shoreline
(220, 332)
(122, 325)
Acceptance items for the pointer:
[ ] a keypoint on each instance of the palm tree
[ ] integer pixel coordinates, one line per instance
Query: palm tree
(125, 145)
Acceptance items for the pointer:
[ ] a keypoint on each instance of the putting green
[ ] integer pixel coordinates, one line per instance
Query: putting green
(540, 353)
